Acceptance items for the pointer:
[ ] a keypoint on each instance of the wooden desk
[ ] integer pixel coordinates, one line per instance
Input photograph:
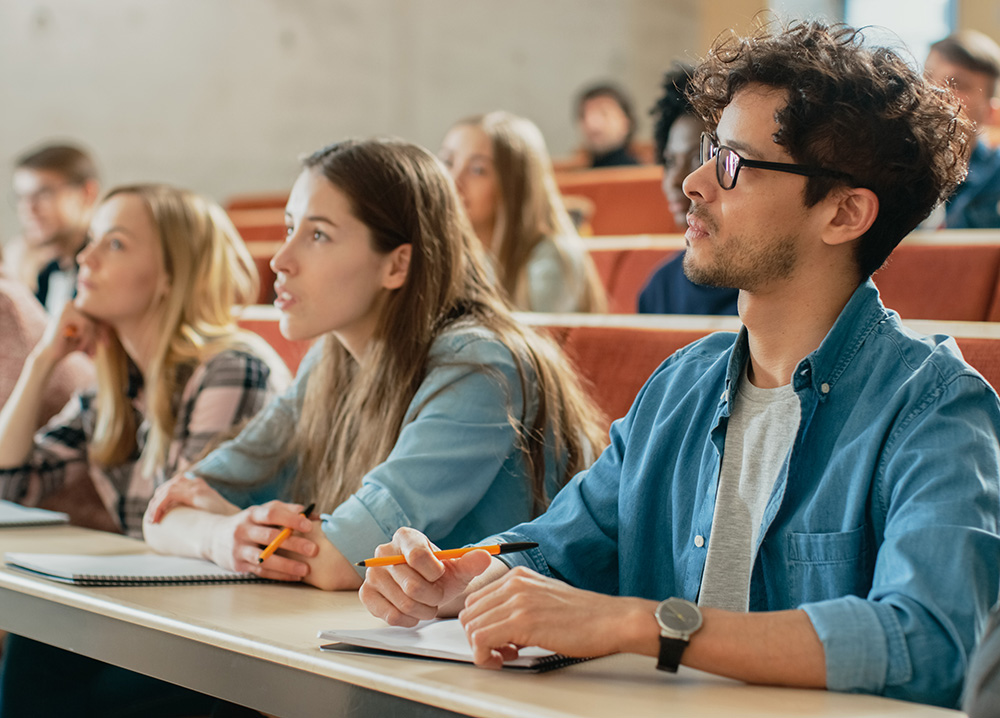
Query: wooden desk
(256, 645)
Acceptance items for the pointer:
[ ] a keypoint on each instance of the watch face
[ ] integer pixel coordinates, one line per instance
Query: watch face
(678, 617)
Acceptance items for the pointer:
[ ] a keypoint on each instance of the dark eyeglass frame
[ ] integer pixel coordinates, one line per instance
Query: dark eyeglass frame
(709, 143)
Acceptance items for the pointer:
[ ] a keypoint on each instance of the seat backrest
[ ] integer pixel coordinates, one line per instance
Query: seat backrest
(627, 200)
(953, 282)
(615, 362)
(626, 263)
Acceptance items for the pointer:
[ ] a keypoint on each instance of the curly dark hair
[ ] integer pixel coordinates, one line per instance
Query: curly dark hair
(859, 110)
(673, 103)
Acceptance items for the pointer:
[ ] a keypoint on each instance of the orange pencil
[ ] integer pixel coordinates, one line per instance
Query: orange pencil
(450, 553)
(280, 538)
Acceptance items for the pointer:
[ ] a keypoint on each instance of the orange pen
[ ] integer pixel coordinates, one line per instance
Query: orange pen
(280, 538)
(450, 553)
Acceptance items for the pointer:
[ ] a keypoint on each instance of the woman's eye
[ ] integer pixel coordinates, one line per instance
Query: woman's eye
(319, 236)
(289, 230)
(116, 244)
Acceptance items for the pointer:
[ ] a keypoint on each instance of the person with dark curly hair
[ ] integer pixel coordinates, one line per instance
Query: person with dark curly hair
(677, 136)
(814, 500)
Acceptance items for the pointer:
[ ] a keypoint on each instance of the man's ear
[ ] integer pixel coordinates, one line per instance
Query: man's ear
(853, 213)
(398, 267)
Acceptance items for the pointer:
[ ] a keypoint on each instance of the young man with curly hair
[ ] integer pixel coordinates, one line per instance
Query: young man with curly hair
(812, 501)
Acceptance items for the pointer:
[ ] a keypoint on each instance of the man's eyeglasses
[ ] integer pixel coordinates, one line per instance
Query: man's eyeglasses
(728, 163)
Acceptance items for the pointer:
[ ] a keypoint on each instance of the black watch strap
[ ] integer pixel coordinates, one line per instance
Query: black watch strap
(671, 650)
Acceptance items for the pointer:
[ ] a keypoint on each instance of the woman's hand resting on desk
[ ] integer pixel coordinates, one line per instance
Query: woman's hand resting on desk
(236, 541)
(187, 490)
(190, 518)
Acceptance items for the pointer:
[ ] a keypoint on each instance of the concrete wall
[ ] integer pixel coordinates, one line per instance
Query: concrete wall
(223, 95)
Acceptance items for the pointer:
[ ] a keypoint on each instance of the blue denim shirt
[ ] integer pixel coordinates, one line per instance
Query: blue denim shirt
(455, 472)
(882, 525)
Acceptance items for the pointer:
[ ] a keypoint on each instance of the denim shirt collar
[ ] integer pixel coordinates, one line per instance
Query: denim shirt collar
(821, 369)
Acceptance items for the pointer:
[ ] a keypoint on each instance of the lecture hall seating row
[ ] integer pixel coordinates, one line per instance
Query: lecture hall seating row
(949, 276)
(615, 354)
(623, 201)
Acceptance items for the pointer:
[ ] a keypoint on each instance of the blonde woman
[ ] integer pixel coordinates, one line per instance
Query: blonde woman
(424, 403)
(504, 176)
(157, 285)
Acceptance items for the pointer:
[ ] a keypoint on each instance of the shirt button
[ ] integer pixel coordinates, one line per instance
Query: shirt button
(699, 541)
(824, 387)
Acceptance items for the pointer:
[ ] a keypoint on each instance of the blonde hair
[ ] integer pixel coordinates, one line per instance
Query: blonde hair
(530, 209)
(352, 414)
(210, 271)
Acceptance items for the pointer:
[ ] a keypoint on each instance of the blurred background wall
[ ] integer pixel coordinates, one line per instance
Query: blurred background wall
(222, 95)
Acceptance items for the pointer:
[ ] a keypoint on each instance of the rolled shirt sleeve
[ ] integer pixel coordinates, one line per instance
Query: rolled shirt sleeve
(933, 585)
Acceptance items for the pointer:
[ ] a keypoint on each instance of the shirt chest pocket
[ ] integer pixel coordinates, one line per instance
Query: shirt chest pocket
(828, 565)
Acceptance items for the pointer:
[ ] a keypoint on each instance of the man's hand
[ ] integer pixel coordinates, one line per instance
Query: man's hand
(419, 589)
(524, 608)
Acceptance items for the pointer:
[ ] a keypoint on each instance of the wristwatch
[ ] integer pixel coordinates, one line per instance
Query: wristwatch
(678, 619)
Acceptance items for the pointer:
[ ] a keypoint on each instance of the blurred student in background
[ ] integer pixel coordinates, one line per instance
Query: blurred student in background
(503, 173)
(55, 189)
(22, 324)
(969, 63)
(607, 124)
(677, 134)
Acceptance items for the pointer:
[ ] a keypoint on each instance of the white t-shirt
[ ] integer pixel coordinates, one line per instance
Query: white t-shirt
(762, 427)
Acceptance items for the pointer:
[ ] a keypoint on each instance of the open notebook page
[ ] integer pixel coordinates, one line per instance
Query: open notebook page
(440, 638)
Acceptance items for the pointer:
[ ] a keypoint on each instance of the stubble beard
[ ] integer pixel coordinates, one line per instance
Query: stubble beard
(743, 264)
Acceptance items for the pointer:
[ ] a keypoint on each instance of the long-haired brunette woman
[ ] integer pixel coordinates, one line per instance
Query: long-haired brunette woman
(424, 402)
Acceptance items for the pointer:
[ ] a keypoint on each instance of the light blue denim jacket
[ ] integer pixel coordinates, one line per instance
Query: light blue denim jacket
(455, 472)
(882, 525)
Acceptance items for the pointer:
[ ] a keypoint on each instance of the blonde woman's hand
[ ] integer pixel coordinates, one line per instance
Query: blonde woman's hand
(70, 331)
(187, 490)
(237, 541)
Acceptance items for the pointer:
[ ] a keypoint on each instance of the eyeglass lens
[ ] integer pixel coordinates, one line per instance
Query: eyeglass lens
(727, 162)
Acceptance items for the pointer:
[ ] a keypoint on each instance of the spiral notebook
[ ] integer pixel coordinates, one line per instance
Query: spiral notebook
(14, 516)
(145, 569)
(441, 639)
